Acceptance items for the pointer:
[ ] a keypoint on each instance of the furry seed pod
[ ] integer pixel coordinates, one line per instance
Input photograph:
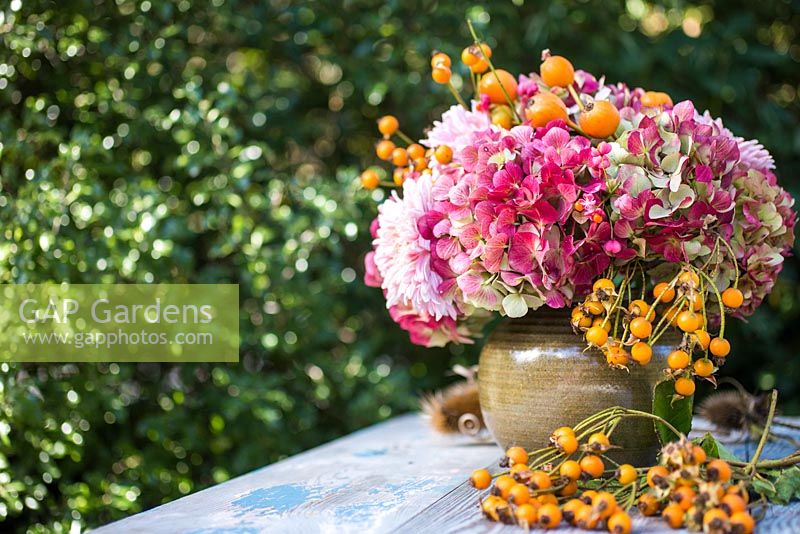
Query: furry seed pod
(455, 409)
(734, 410)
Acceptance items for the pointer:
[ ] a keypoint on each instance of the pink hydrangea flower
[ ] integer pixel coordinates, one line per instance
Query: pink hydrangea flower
(752, 154)
(456, 128)
(428, 331)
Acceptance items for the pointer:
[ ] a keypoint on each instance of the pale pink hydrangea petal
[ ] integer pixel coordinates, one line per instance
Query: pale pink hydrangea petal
(456, 128)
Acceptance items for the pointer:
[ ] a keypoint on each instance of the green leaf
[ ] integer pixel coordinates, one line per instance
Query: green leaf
(715, 449)
(764, 488)
(779, 486)
(677, 412)
(787, 485)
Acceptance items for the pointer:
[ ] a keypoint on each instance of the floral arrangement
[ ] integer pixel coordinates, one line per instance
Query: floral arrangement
(561, 189)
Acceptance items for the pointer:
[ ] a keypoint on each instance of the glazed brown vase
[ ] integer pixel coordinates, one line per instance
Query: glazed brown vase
(534, 377)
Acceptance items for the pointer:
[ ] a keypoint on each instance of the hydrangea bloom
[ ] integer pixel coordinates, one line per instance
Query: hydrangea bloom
(419, 288)
(524, 217)
(763, 234)
(457, 127)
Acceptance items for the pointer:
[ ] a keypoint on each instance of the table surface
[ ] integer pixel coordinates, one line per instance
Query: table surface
(397, 476)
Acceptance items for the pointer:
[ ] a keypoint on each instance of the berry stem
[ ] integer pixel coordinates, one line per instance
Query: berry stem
(612, 427)
(399, 133)
(630, 298)
(592, 418)
(617, 302)
(636, 413)
(575, 127)
(705, 316)
(644, 279)
(456, 94)
(632, 498)
(609, 460)
(750, 469)
(576, 97)
(545, 458)
(474, 79)
(491, 67)
(786, 461)
(658, 331)
(735, 261)
(719, 300)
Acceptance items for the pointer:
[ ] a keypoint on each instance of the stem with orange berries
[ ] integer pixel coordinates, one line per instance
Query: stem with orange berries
(733, 258)
(491, 67)
(719, 299)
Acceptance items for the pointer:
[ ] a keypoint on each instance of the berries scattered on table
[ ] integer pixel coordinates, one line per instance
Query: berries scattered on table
(718, 471)
(626, 474)
(570, 469)
(516, 455)
(548, 487)
(592, 465)
(480, 479)
(549, 516)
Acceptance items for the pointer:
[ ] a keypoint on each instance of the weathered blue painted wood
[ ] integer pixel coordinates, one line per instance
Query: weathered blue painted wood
(371, 480)
(397, 476)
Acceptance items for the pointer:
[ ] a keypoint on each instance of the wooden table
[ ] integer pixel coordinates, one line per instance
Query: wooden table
(397, 476)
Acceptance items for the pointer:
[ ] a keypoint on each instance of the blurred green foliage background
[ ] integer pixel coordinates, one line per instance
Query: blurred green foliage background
(204, 141)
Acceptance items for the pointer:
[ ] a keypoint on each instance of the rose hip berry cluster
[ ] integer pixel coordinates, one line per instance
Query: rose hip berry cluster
(568, 482)
(498, 87)
(406, 156)
(544, 496)
(625, 324)
(689, 491)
